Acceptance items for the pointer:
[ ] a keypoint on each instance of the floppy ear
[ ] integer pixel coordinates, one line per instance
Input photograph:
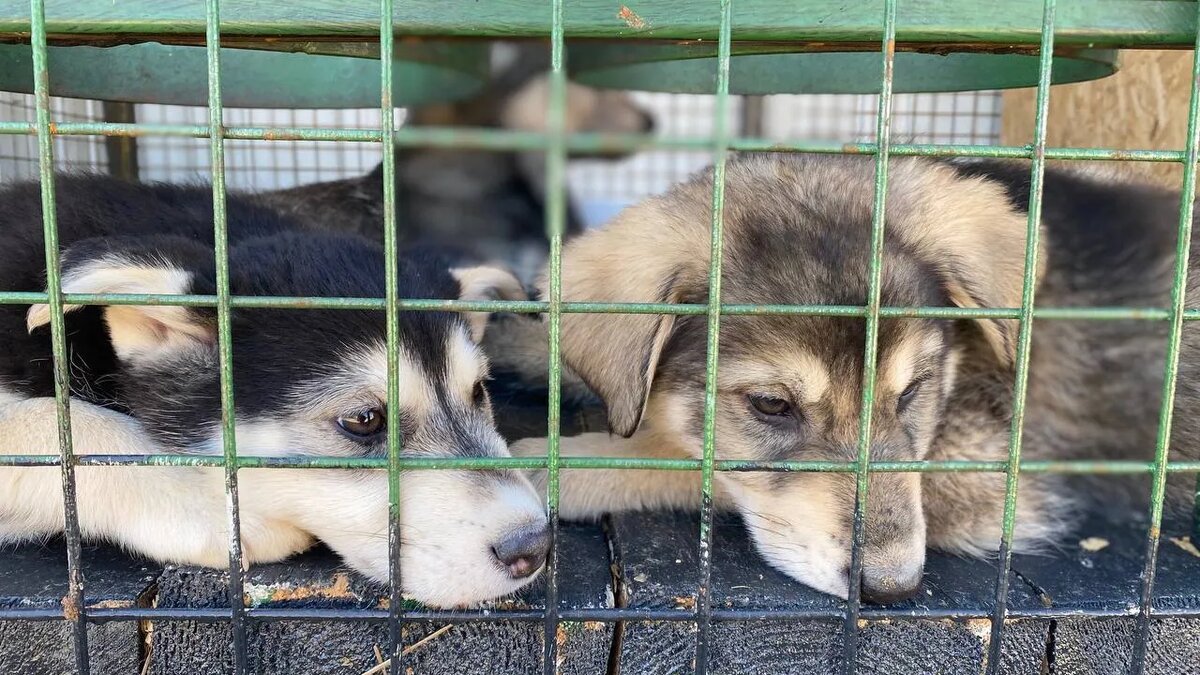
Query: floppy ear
(645, 255)
(486, 283)
(153, 265)
(975, 238)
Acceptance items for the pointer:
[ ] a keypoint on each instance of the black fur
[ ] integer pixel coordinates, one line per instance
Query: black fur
(486, 202)
(272, 348)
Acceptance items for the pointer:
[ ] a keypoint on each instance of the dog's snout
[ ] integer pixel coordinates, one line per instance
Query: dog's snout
(888, 589)
(648, 123)
(523, 552)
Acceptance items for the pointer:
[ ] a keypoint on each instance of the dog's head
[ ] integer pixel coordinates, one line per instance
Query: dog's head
(587, 109)
(314, 382)
(517, 97)
(789, 387)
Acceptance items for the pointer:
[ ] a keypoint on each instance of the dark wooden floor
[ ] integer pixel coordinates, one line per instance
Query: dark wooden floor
(640, 562)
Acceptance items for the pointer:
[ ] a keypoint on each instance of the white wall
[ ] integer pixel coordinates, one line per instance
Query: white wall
(600, 187)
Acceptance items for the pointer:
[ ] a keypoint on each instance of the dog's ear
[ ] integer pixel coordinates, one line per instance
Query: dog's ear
(642, 256)
(486, 282)
(975, 238)
(159, 265)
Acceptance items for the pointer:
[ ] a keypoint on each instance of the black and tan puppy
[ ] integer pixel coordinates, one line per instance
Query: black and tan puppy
(797, 231)
(312, 383)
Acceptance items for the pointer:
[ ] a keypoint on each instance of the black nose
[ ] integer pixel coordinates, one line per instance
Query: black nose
(523, 551)
(647, 123)
(886, 591)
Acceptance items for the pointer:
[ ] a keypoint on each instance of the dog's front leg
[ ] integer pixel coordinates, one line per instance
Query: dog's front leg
(586, 494)
(173, 514)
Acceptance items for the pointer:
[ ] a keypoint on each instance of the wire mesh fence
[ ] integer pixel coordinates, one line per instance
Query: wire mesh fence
(715, 142)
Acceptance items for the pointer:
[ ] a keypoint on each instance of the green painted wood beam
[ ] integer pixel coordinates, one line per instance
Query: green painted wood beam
(1125, 23)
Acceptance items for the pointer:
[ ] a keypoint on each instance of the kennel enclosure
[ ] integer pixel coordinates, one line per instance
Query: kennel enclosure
(688, 594)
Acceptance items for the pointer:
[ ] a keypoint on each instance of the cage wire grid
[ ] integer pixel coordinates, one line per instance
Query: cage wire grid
(598, 186)
(556, 144)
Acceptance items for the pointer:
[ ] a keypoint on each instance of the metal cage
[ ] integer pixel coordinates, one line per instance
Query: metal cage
(883, 22)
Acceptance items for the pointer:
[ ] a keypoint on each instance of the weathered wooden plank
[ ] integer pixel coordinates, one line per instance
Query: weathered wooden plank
(318, 580)
(35, 577)
(1114, 22)
(1101, 570)
(656, 557)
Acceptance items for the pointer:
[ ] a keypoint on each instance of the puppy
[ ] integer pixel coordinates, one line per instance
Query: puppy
(492, 203)
(797, 231)
(307, 383)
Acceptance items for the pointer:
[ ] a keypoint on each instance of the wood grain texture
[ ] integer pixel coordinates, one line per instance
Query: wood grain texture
(1107, 578)
(1144, 106)
(35, 577)
(318, 580)
(657, 563)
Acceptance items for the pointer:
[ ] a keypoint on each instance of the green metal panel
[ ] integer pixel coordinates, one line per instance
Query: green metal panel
(692, 69)
(155, 73)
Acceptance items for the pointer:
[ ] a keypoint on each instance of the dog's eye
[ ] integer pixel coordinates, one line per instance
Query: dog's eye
(479, 394)
(364, 424)
(910, 392)
(770, 406)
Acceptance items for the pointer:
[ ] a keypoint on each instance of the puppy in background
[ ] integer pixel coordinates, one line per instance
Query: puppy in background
(493, 204)
(797, 231)
(307, 383)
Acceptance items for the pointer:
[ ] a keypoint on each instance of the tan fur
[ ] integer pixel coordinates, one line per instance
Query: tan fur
(896, 369)
(136, 330)
(587, 109)
(178, 514)
(964, 225)
(590, 493)
(607, 350)
(800, 375)
(485, 282)
(963, 228)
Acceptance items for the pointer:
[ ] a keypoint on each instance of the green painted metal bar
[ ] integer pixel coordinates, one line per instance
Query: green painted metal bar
(603, 615)
(74, 605)
(1171, 368)
(216, 146)
(1024, 339)
(556, 209)
(720, 150)
(1014, 22)
(883, 135)
(480, 138)
(1118, 467)
(387, 132)
(533, 307)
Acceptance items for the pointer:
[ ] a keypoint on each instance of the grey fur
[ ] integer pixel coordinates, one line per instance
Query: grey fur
(491, 204)
(797, 229)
